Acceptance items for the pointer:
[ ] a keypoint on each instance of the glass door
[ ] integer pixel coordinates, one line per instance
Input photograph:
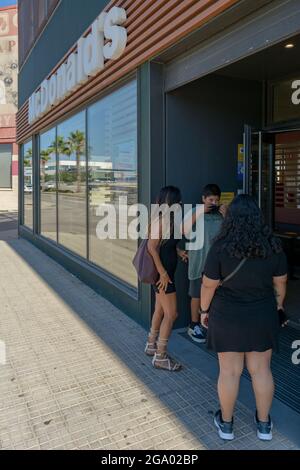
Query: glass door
(259, 169)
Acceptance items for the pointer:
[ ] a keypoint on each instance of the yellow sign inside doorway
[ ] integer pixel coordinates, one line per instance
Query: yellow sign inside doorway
(226, 198)
(240, 152)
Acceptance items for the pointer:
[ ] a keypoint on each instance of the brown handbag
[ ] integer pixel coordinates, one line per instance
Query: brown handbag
(144, 264)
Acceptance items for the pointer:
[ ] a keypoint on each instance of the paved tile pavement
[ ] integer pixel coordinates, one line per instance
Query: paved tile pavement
(8, 225)
(76, 376)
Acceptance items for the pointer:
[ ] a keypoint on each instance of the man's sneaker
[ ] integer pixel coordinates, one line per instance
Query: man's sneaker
(264, 428)
(197, 333)
(225, 429)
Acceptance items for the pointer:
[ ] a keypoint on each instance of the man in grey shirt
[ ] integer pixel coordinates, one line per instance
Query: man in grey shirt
(213, 218)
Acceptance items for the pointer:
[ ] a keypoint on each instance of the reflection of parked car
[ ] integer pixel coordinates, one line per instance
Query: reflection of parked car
(49, 185)
(27, 188)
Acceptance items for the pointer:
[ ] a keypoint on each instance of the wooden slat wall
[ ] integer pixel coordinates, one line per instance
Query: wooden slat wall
(152, 26)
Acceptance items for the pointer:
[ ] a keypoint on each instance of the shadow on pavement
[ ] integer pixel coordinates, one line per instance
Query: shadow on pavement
(189, 395)
(8, 225)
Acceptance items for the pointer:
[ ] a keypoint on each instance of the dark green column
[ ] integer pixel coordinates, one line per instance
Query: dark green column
(151, 154)
(36, 184)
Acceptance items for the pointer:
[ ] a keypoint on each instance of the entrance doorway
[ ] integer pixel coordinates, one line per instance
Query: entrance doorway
(206, 141)
(272, 177)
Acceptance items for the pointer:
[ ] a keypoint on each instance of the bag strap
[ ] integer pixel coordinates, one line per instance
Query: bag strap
(234, 272)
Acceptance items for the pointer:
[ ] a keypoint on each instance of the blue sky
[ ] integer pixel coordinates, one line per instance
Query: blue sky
(5, 3)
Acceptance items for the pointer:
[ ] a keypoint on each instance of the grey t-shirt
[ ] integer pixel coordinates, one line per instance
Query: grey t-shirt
(197, 258)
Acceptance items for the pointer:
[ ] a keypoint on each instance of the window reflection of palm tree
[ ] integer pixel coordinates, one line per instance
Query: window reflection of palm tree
(28, 158)
(62, 148)
(27, 162)
(44, 158)
(76, 145)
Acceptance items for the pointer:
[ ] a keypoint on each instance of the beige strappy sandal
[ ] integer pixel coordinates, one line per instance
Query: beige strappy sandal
(165, 362)
(150, 349)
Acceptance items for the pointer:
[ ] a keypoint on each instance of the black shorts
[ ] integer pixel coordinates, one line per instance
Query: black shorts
(170, 289)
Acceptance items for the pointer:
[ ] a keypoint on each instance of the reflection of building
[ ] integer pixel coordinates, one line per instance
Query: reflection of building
(8, 108)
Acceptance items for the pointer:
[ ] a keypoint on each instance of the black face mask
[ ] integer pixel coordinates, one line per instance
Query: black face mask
(214, 209)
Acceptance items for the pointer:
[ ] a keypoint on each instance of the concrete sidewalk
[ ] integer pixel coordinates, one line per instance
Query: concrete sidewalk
(76, 376)
(8, 225)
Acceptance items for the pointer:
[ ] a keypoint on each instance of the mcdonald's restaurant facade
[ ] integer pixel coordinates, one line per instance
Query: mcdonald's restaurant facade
(123, 97)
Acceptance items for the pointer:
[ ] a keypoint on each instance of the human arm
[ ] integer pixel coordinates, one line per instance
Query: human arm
(223, 210)
(210, 282)
(183, 255)
(280, 277)
(208, 289)
(279, 283)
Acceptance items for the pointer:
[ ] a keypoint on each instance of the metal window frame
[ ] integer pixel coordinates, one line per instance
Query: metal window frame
(39, 223)
(83, 111)
(133, 77)
(21, 185)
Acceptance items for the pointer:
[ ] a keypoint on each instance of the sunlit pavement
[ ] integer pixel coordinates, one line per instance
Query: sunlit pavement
(76, 376)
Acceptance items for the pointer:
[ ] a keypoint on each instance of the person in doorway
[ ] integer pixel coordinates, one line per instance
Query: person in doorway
(164, 251)
(242, 310)
(213, 218)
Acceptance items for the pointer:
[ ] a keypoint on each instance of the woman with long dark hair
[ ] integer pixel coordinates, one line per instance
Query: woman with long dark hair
(164, 251)
(242, 311)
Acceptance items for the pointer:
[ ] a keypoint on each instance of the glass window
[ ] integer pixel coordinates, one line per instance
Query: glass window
(48, 184)
(39, 15)
(51, 4)
(112, 169)
(5, 166)
(33, 15)
(25, 31)
(72, 195)
(28, 186)
(283, 107)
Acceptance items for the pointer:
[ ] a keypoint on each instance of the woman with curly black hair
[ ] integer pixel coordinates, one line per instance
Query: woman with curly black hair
(244, 285)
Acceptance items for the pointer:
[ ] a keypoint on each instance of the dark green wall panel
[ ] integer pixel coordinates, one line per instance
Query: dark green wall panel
(205, 122)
